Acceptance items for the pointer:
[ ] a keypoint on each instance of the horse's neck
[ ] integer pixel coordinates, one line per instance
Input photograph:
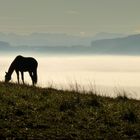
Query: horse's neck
(11, 68)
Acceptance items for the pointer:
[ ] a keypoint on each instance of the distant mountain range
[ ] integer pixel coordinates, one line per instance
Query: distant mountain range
(129, 45)
(45, 39)
(53, 39)
(124, 45)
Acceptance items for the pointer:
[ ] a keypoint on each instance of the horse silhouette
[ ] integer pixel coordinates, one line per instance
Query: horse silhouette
(23, 64)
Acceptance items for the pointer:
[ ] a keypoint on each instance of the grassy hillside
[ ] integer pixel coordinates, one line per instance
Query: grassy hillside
(38, 113)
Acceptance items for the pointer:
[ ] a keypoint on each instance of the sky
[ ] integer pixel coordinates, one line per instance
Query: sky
(75, 17)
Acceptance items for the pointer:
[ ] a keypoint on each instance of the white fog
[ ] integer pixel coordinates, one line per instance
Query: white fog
(103, 73)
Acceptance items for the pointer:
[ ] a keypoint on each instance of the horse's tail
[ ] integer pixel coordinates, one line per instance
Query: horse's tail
(35, 76)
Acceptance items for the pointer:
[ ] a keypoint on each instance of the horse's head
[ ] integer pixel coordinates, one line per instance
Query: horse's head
(7, 77)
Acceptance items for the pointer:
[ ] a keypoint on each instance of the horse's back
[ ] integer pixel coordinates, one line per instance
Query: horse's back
(31, 60)
(25, 63)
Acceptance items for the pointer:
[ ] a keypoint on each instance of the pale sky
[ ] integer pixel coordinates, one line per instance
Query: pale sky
(85, 17)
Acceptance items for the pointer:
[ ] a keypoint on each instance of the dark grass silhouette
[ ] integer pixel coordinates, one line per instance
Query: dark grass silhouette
(29, 112)
(23, 64)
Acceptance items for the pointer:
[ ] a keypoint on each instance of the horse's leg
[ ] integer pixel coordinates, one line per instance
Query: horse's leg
(22, 76)
(31, 75)
(35, 75)
(33, 82)
(17, 72)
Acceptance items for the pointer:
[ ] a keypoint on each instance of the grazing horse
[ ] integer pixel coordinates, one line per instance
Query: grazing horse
(23, 64)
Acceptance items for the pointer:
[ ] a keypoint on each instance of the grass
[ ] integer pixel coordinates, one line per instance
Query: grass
(28, 112)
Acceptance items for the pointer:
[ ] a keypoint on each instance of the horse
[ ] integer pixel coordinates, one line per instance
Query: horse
(23, 64)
